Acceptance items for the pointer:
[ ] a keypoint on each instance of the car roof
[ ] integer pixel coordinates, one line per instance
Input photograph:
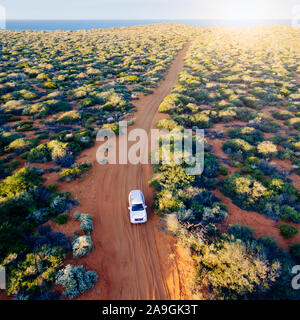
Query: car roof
(136, 196)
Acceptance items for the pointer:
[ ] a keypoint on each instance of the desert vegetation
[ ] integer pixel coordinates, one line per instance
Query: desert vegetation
(240, 85)
(56, 90)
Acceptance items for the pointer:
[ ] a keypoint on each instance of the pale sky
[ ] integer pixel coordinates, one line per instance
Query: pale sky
(149, 9)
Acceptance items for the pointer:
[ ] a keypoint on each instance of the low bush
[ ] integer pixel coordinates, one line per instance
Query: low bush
(57, 148)
(82, 246)
(168, 124)
(289, 214)
(20, 145)
(245, 191)
(86, 223)
(112, 126)
(61, 219)
(36, 110)
(69, 117)
(294, 123)
(52, 239)
(223, 171)
(215, 214)
(65, 161)
(25, 126)
(76, 171)
(266, 149)
(18, 183)
(288, 231)
(233, 271)
(52, 187)
(59, 202)
(268, 242)
(264, 124)
(227, 115)
(200, 120)
(170, 103)
(238, 145)
(247, 134)
(282, 115)
(241, 232)
(39, 154)
(50, 85)
(75, 280)
(35, 273)
(165, 203)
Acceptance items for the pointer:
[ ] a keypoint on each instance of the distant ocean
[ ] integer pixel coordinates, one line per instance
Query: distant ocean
(105, 24)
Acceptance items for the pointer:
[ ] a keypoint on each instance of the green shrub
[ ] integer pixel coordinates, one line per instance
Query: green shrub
(223, 171)
(232, 270)
(288, 231)
(7, 137)
(39, 154)
(14, 107)
(294, 122)
(241, 232)
(25, 126)
(69, 117)
(112, 126)
(20, 145)
(43, 136)
(35, 272)
(268, 242)
(227, 114)
(132, 79)
(57, 148)
(282, 115)
(200, 120)
(289, 214)
(168, 124)
(245, 191)
(61, 219)
(251, 102)
(238, 145)
(20, 182)
(36, 109)
(170, 103)
(248, 134)
(52, 187)
(50, 85)
(165, 202)
(75, 172)
(87, 102)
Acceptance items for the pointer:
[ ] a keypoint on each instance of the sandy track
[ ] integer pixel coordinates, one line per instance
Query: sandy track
(133, 261)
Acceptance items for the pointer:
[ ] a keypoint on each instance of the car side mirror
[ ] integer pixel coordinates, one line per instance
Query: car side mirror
(128, 208)
(145, 207)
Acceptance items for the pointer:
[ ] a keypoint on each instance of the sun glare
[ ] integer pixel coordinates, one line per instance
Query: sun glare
(240, 10)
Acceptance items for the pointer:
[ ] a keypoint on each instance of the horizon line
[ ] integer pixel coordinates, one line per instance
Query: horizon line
(151, 19)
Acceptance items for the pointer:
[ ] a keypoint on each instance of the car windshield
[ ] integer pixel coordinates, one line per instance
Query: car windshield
(137, 207)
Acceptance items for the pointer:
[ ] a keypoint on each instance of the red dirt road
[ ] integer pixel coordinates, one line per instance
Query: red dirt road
(132, 261)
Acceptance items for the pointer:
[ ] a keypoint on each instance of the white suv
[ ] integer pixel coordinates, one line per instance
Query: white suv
(137, 207)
